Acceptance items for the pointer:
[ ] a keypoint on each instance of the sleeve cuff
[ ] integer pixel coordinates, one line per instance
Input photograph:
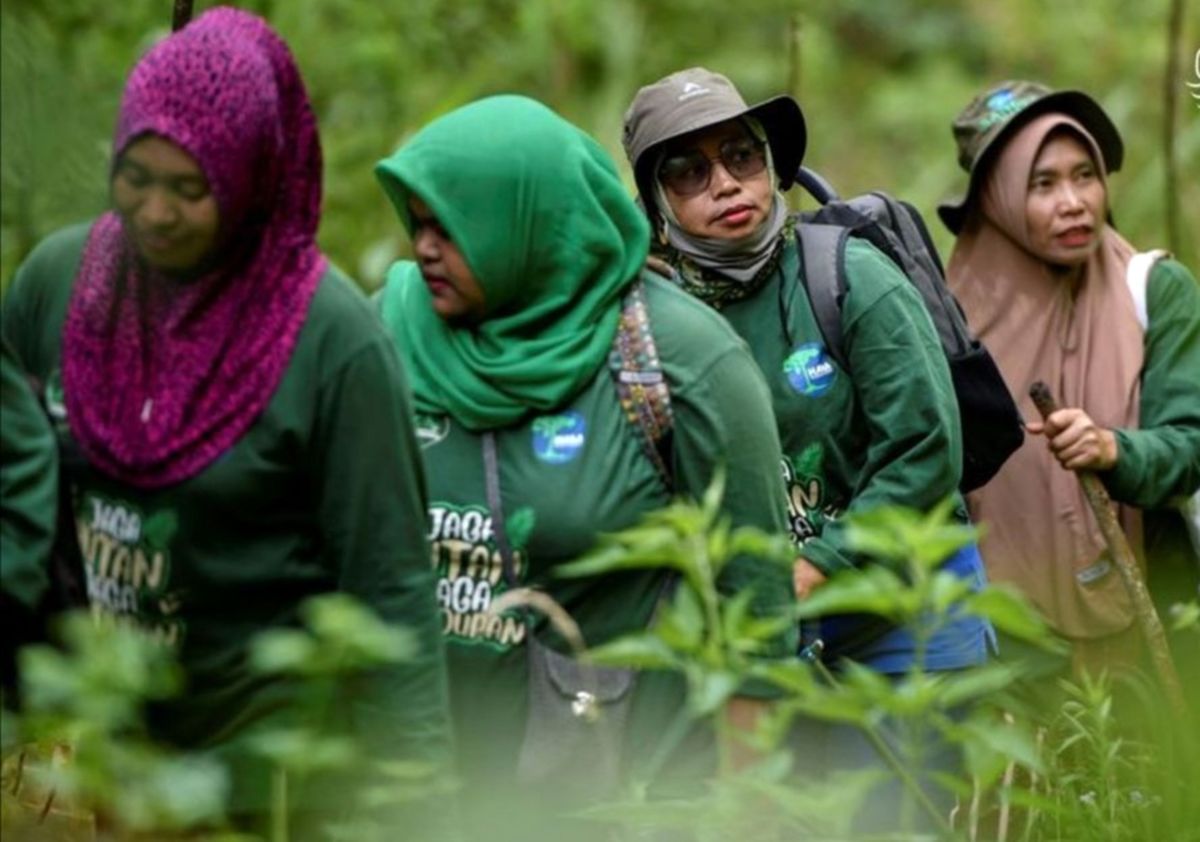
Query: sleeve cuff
(1121, 479)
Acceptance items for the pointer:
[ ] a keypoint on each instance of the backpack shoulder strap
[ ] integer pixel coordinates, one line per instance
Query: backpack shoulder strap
(823, 273)
(1137, 278)
(641, 386)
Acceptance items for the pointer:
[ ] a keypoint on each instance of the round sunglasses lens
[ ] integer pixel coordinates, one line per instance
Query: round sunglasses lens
(744, 160)
(685, 176)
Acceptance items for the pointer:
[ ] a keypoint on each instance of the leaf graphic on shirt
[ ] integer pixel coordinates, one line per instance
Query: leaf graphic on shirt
(550, 426)
(159, 528)
(519, 526)
(810, 461)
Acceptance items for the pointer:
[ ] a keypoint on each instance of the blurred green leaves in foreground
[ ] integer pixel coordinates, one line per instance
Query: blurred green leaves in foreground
(1047, 758)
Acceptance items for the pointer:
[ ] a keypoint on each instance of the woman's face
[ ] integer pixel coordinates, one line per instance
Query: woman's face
(166, 203)
(1065, 205)
(457, 296)
(716, 181)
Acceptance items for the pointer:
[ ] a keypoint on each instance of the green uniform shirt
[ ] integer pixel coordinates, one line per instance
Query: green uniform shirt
(323, 493)
(28, 488)
(1159, 462)
(568, 476)
(886, 435)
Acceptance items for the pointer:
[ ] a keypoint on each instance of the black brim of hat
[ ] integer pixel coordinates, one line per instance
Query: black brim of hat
(786, 132)
(1074, 104)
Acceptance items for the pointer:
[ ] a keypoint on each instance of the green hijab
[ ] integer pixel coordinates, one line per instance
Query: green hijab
(540, 215)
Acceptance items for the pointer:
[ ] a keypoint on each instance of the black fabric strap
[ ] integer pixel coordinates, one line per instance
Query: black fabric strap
(491, 469)
(821, 251)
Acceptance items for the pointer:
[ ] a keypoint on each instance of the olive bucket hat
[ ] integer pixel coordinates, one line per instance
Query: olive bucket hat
(991, 118)
(694, 99)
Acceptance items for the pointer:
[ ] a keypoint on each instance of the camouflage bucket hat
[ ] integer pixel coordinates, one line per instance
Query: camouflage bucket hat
(992, 117)
(694, 99)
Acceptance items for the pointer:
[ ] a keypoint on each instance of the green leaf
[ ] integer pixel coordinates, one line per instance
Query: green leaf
(303, 750)
(734, 611)
(1185, 616)
(906, 535)
(519, 526)
(711, 690)
(159, 528)
(976, 683)
(875, 590)
(808, 463)
(714, 494)
(681, 622)
(640, 651)
(989, 746)
(946, 589)
(643, 547)
(354, 635)
(185, 791)
(1010, 612)
(282, 651)
(795, 677)
(748, 541)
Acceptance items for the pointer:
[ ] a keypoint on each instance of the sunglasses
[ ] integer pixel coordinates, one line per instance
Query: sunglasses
(689, 173)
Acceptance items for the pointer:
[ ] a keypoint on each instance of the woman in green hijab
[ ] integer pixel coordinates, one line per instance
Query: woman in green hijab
(528, 255)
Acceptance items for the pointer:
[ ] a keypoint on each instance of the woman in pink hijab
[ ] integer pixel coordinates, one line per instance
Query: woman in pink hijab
(242, 417)
(1059, 296)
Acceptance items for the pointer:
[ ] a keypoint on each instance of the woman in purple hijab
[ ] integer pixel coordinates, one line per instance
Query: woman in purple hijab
(244, 421)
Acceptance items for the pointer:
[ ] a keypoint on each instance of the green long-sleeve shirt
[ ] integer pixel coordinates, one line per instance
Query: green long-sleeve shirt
(1159, 463)
(886, 433)
(28, 487)
(323, 493)
(566, 477)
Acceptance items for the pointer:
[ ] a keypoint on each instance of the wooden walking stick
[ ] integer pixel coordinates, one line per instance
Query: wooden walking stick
(181, 15)
(1131, 576)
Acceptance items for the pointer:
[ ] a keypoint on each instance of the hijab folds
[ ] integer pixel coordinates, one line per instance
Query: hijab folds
(540, 215)
(1087, 345)
(161, 374)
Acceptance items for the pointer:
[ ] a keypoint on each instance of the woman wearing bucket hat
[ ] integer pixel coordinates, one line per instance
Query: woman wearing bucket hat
(710, 170)
(509, 326)
(1059, 296)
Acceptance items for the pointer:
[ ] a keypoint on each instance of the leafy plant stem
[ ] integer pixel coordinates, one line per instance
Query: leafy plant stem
(893, 762)
(674, 736)
(279, 805)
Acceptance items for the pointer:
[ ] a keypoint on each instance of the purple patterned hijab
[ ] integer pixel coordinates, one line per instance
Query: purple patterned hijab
(161, 376)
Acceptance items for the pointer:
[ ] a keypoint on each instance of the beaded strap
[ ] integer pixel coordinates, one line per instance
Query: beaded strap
(641, 386)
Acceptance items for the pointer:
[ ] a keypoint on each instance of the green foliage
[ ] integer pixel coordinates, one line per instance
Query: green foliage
(85, 702)
(1071, 771)
(698, 633)
(342, 640)
(342, 637)
(717, 642)
(1111, 778)
(90, 696)
(879, 82)
(1185, 617)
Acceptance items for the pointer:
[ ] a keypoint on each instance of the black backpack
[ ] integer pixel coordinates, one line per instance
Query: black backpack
(991, 424)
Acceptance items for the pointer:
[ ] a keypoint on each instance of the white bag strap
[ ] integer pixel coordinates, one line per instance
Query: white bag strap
(1137, 278)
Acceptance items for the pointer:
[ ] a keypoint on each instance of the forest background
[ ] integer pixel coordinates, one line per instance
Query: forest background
(879, 81)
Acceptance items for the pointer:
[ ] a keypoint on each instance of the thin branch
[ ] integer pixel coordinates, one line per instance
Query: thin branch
(1170, 99)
